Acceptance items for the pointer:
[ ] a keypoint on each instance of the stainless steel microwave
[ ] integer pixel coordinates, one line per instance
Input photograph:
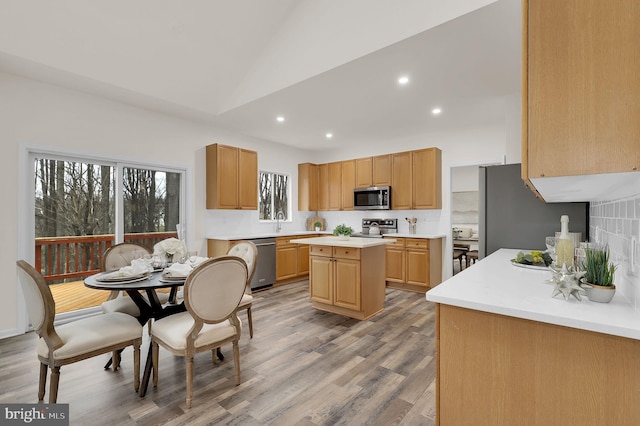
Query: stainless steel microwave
(373, 198)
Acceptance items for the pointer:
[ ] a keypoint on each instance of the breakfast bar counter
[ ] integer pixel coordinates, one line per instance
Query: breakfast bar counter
(509, 353)
(347, 277)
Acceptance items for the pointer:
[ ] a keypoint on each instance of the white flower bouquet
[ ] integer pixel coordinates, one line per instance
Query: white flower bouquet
(171, 248)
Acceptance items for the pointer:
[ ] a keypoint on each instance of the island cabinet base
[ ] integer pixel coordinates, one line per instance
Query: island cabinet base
(347, 281)
(499, 370)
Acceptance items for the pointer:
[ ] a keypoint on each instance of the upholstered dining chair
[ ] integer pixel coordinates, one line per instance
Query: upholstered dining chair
(74, 341)
(114, 258)
(248, 251)
(212, 293)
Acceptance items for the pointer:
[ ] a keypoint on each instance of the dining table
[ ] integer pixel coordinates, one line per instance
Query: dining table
(150, 307)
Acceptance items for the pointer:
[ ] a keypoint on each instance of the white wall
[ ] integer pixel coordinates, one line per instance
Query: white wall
(35, 114)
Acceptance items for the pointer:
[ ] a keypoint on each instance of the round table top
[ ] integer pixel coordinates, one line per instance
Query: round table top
(152, 281)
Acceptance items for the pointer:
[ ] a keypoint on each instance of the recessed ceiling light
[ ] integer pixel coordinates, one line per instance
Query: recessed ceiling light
(403, 80)
(329, 135)
(280, 119)
(436, 111)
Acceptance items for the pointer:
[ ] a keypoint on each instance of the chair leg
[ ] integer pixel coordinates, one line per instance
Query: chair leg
(250, 322)
(115, 356)
(189, 361)
(43, 381)
(136, 365)
(236, 360)
(154, 362)
(53, 386)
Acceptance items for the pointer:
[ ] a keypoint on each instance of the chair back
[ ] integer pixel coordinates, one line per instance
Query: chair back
(213, 290)
(40, 303)
(248, 251)
(121, 255)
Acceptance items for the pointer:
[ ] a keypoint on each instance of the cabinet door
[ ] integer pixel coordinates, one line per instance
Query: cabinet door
(395, 264)
(347, 284)
(247, 179)
(323, 187)
(427, 178)
(286, 262)
(303, 259)
(382, 170)
(583, 88)
(321, 279)
(348, 183)
(402, 181)
(335, 185)
(364, 178)
(418, 267)
(222, 177)
(307, 187)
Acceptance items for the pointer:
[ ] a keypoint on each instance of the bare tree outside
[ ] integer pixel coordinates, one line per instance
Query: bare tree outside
(274, 195)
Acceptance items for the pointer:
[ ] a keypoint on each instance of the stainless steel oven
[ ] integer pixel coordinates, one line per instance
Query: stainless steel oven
(373, 198)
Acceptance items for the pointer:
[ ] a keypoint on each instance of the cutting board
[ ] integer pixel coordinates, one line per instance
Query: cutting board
(314, 219)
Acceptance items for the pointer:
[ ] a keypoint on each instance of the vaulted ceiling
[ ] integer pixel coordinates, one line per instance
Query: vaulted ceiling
(325, 66)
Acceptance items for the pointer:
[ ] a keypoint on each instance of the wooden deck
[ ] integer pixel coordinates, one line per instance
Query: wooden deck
(74, 295)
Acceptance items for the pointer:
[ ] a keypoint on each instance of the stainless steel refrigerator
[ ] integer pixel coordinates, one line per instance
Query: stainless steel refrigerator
(511, 216)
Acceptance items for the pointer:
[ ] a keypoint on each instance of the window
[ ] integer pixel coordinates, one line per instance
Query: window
(274, 196)
(83, 206)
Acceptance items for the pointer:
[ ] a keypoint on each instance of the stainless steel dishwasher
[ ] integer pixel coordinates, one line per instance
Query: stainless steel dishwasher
(265, 275)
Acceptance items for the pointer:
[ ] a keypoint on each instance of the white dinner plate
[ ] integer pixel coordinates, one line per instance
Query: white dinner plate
(124, 280)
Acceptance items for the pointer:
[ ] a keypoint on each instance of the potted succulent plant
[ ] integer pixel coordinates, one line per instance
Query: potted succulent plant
(598, 274)
(317, 226)
(343, 231)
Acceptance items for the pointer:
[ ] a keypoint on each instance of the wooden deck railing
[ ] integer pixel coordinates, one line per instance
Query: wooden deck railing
(63, 258)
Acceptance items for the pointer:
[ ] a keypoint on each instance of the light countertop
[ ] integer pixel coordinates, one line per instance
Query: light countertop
(298, 233)
(354, 242)
(495, 285)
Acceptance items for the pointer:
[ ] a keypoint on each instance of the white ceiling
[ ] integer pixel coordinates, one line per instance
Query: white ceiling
(325, 66)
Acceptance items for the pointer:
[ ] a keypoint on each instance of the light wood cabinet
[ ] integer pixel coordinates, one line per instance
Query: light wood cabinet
(347, 184)
(427, 178)
(231, 178)
(323, 186)
(292, 260)
(381, 170)
(307, 187)
(414, 263)
(334, 171)
(580, 95)
(402, 181)
(520, 362)
(364, 172)
(417, 179)
(347, 281)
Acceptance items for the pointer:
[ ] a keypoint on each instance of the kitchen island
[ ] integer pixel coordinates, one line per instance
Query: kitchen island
(347, 277)
(509, 353)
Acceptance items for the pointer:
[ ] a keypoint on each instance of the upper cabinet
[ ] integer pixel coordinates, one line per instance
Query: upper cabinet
(415, 178)
(348, 183)
(427, 178)
(581, 133)
(308, 187)
(381, 170)
(232, 178)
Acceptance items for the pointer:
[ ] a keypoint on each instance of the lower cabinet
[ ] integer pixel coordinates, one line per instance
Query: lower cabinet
(414, 263)
(343, 280)
(292, 260)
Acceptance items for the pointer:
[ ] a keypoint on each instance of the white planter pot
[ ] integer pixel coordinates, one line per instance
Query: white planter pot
(598, 293)
(343, 237)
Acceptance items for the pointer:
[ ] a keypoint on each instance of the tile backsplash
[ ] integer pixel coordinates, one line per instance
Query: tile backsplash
(617, 223)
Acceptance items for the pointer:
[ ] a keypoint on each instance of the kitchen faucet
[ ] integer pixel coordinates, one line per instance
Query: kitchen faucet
(279, 216)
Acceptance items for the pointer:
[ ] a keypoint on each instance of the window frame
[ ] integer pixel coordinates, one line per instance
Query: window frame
(26, 207)
(289, 201)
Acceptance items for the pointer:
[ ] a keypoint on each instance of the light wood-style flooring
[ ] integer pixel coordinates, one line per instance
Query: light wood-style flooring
(302, 367)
